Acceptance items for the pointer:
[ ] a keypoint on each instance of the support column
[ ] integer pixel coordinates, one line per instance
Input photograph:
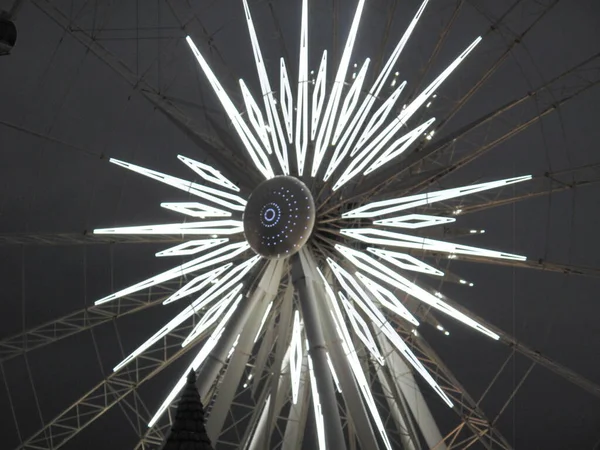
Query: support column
(216, 359)
(318, 352)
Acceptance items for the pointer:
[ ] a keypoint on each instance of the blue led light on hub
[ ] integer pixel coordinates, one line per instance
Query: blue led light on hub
(279, 217)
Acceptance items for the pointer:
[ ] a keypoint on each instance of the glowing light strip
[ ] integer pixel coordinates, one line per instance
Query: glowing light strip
(296, 356)
(414, 221)
(324, 136)
(218, 256)
(406, 262)
(198, 283)
(351, 101)
(215, 227)
(302, 102)
(333, 374)
(209, 173)
(395, 150)
(385, 274)
(196, 363)
(191, 247)
(390, 238)
(362, 299)
(287, 101)
(394, 205)
(357, 123)
(214, 312)
(374, 124)
(223, 285)
(256, 118)
(378, 118)
(387, 299)
(253, 148)
(361, 329)
(277, 137)
(408, 112)
(355, 364)
(225, 199)
(363, 159)
(195, 209)
(371, 150)
(320, 423)
(318, 98)
(262, 322)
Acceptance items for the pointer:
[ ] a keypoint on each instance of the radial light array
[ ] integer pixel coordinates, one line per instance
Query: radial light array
(313, 141)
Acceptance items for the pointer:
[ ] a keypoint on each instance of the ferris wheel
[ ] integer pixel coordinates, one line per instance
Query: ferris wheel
(312, 251)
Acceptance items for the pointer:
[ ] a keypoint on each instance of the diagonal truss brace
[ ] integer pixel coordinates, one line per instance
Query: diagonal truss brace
(82, 320)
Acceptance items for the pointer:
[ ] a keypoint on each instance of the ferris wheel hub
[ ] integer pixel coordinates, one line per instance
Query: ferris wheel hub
(279, 217)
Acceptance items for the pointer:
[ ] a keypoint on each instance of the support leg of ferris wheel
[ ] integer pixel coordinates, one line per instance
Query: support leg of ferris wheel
(247, 331)
(267, 288)
(317, 351)
(407, 387)
(355, 405)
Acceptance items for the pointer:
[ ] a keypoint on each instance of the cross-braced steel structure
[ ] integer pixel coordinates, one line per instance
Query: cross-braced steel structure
(322, 332)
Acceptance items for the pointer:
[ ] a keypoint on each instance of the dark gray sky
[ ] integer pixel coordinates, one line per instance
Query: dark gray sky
(51, 85)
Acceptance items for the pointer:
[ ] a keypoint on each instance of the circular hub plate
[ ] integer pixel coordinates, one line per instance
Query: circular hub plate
(279, 217)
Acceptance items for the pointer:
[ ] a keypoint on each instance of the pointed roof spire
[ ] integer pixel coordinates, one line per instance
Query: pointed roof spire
(188, 431)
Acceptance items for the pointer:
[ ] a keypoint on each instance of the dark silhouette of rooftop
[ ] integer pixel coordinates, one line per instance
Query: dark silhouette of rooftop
(188, 431)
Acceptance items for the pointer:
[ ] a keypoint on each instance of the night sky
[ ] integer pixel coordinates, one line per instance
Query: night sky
(64, 112)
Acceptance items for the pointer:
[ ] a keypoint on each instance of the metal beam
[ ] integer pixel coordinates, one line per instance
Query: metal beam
(236, 166)
(317, 351)
(84, 238)
(82, 320)
(532, 354)
(109, 392)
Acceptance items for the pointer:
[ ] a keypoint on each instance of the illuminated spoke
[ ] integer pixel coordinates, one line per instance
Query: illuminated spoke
(256, 152)
(276, 131)
(414, 221)
(256, 118)
(367, 154)
(219, 255)
(324, 135)
(198, 360)
(391, 277)
(302, 102)
(392, 239)
(191, 247)
(209, 173)
(361, 329)
(287, 101)
(216, 227)
(351, 101)
(198, 283)
(223, 286)
(215, 311)
(355, 365)
(361, 161)
(394, 205)
(195, 209)
(296, 353)
(387, 299)
(398, 147)
(317, 406)
(406, 262)
(225, 199)
(318, 98)
(374, 124)
(349, 137)
(361, 298)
